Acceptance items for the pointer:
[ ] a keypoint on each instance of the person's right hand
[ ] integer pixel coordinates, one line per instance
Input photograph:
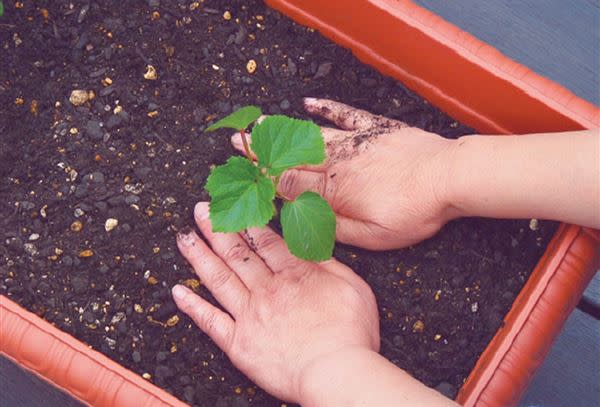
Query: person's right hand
(385, 181)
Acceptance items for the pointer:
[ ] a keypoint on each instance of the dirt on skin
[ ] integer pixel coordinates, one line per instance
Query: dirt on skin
(136, 152)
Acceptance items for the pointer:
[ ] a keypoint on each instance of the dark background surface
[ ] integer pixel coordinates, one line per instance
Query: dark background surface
(559, 39)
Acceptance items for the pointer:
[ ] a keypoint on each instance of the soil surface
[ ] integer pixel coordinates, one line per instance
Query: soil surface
(137, 153)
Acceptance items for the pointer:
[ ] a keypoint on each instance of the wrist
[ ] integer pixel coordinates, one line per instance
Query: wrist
(362, 377)
(452, 177)
(322, 377)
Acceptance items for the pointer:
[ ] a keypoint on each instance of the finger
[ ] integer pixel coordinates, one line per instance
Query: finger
(347, 117)
(271, 248)
(331, 137)
(261, 118)
(294, 182)
(220, 280)
(238, 144)
(212, 321)
(234, 251)
(358, 233)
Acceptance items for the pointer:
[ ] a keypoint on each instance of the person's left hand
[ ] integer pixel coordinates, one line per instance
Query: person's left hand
(283, 314)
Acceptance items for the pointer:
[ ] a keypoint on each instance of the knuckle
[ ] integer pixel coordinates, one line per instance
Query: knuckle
(236, 253)
(292, 265)
(288, 181)
(220, 279)
(209, 321)
(265, 241)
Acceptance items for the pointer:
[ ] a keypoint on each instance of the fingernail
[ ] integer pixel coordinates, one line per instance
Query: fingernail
(179, 292)
(201, 210)
(236, 140)
(185, 236)
(310, 101)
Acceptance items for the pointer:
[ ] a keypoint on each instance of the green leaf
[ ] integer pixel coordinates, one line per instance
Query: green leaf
(238, 120)
(241, 197)
(281, 142)
(308, 225)
(1, 9)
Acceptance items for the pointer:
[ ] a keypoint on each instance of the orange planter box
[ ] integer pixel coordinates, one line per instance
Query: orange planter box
(463, 76)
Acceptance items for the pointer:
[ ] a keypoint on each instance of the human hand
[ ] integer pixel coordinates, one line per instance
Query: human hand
(283, 314)
(385, 181)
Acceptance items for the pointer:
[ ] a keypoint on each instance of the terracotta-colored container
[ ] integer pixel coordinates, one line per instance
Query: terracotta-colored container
(471, 81)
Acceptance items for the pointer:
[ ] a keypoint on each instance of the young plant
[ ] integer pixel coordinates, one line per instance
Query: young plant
(242, 191)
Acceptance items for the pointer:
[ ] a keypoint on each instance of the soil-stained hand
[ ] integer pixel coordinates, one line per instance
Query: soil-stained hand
(282, 314)
(385, 181)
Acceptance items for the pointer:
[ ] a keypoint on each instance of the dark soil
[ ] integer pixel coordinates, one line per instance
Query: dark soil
(146, 166)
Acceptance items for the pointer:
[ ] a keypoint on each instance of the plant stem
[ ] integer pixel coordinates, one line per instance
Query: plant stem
(246, 146)
(277, 194)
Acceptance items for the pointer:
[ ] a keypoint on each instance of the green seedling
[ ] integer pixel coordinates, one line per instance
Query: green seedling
(242, 191)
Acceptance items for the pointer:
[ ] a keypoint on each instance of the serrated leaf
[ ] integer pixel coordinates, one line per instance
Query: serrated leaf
(281, 142)
(308, 224)
(241, 197)
(238, 120)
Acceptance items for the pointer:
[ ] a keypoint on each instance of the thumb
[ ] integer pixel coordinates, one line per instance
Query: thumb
(294, 182)
(362, 234)
(347, 117)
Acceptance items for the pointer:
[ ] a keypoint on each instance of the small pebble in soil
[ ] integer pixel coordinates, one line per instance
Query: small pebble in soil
(192, 283)
(86, 253)
(26, 205)
(136, 356)
(101, 206)
(116, 200)
(446, 389)
(79, 284)
(33, 237)
(323, 70)
(150, 73)
(174, 320)
(474, 307)
(79, 97)
(188, 394)
(161, 356)
(285, 104)
(251, 66)
(76, 226)
(418, 326)
(110, 224)
(146, 376)
(227, 15)
(534, 224)
(398, 341)
(94, 130)
(30, 249)
(132, 199)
